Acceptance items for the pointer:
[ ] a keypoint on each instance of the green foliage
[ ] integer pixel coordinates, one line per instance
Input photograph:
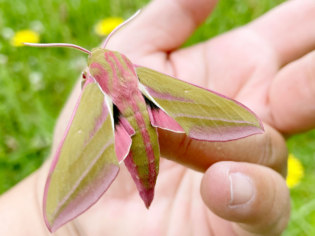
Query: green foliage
(34, 84)
(303, 196)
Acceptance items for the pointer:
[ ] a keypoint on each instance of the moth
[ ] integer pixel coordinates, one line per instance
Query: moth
(115, 120)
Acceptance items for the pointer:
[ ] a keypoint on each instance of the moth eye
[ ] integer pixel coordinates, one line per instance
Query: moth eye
(83, 75)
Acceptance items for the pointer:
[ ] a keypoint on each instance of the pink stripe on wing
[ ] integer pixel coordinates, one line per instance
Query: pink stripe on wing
(99, 122)
(166, 96)
(84, 174)
(77, 207)
(211, 118)
(56, 157)
(223, 133)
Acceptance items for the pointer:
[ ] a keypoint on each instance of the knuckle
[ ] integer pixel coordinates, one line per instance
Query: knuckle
(274, 152)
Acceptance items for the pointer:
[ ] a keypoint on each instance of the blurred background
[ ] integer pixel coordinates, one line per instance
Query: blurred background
(35, 83)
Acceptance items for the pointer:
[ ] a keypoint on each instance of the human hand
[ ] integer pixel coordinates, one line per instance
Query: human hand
(243, 64)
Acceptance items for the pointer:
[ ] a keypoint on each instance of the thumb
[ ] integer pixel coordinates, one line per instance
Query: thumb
(254, 196)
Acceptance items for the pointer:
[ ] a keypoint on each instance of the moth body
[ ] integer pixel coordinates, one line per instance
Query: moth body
(117, 77)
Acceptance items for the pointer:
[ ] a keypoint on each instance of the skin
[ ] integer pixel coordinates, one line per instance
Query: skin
(240, 189)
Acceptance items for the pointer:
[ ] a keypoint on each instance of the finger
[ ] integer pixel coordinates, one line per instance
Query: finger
(254, 196)
(278, 37)
(288, 29)
(163, 25)
(267, 149)
(292, 96)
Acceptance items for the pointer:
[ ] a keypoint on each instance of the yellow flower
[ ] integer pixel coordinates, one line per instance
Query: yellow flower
(295, 171)
(105, 26)
(22, 36)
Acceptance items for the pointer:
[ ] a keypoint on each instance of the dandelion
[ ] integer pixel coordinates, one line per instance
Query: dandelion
(105, 26)
(22, 36)
(295, 171)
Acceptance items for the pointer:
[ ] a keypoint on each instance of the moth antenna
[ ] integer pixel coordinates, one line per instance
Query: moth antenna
(63, 45)
(119, 27)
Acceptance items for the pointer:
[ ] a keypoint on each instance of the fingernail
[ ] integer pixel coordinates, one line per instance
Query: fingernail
(241, 189)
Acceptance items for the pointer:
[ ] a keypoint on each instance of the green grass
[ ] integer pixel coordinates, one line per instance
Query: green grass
(34, 84)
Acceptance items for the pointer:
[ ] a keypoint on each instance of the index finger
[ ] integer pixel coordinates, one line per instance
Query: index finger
(268, 149)
(162, 26)
(288, 29)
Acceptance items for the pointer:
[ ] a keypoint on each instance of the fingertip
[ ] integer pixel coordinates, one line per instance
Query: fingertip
(227, 192)
(163, 25)
(297, 79)
(254, 196)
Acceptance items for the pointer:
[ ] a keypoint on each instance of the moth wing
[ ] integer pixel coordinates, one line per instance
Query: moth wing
(123, 134)
(85, 163)
(202, 114)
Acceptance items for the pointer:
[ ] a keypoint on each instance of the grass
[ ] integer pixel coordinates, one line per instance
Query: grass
(34, 84)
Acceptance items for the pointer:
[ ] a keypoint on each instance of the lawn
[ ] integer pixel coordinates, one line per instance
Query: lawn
(34, 84)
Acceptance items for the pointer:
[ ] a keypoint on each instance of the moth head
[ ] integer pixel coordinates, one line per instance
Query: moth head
(68, 45)
(83, 78)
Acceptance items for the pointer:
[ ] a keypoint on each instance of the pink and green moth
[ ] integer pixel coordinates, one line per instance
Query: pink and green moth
(115, 120)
